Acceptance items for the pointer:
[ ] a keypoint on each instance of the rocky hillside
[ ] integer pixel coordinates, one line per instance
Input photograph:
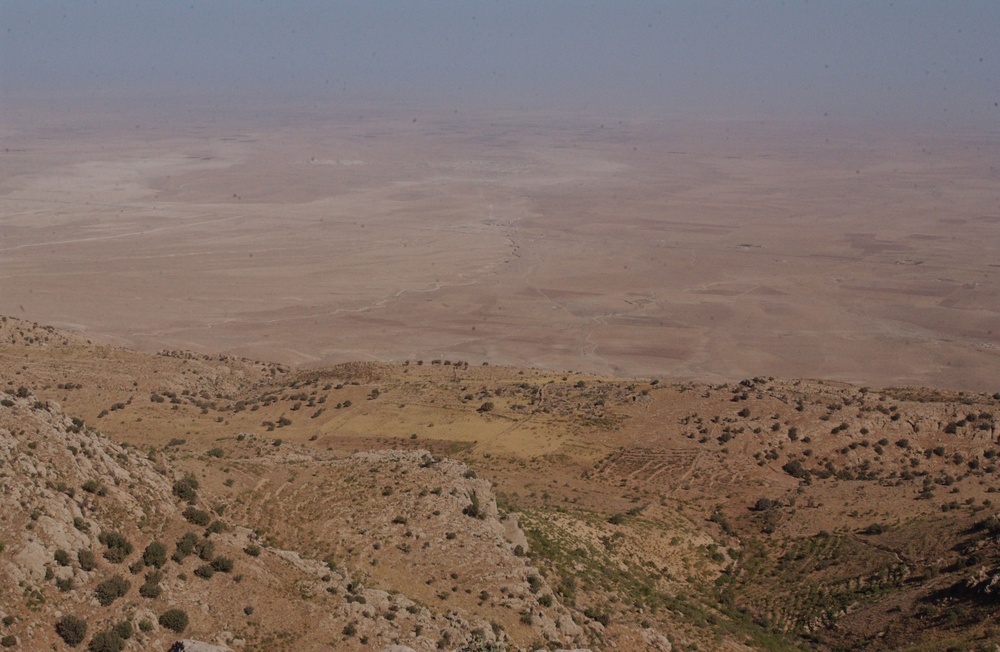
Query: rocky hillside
(446, 505)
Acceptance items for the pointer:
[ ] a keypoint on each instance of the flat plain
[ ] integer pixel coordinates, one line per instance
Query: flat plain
(709, 251)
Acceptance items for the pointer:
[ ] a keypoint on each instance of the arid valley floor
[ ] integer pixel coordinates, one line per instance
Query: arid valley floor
(456, 381)
(708, 251)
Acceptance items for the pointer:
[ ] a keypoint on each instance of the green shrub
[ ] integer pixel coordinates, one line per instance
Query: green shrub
(222, 564)
(185, 546)
(174, 619)
(106, 641)
(151, 587)
(196, 516)
(145, 625)
(206, 550)
(205, 571)
(217, 527)
(86, 559)
(62, 557)
(91, 486)
(155, 554)
(253, 550)
(111, 589)
(187, 488)
(124, 629)
(71, 630)
(473, 509)
(118, 547)
(8, 641)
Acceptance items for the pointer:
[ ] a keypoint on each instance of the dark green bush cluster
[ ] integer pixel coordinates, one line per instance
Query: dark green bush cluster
(185, 546)
(86, 559)
(187, 488)
(71, 630)
(174, 619)
(111, 640)
(155, 554)
(118, 547)
(94, 487)
(151, 587)
(196, 516)
(111, 589)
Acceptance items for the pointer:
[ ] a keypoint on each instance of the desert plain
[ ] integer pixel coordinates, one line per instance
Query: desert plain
(689, 250)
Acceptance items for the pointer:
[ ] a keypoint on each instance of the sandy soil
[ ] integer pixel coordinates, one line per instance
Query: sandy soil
(710, 251)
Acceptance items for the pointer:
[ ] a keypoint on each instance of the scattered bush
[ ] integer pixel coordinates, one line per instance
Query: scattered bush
(106, 641)
(196, 516)
(205, 571)
(795, 469)
(175, 620)
(473, 509)
(124, 629)
(118, 547)
(185, 546)
(764, 504)
(151, 587)
(62, 557)
(206, 550)
(111, 589)
(94, 487)
(222, 564)
(187, 488)
(155, 554)
(253, 550)
(86, 559)
(71, 630)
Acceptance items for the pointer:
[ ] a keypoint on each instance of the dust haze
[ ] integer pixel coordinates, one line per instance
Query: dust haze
(678, 190)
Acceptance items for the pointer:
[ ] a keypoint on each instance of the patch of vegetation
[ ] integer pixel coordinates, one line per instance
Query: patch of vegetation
(118, 547)
(111, 589)
(71, 630)
(176, 620)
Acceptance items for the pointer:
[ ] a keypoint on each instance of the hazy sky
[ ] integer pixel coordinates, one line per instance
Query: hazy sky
(931, 61)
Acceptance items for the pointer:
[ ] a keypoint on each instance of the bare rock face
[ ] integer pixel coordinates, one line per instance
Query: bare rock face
(190, 645)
